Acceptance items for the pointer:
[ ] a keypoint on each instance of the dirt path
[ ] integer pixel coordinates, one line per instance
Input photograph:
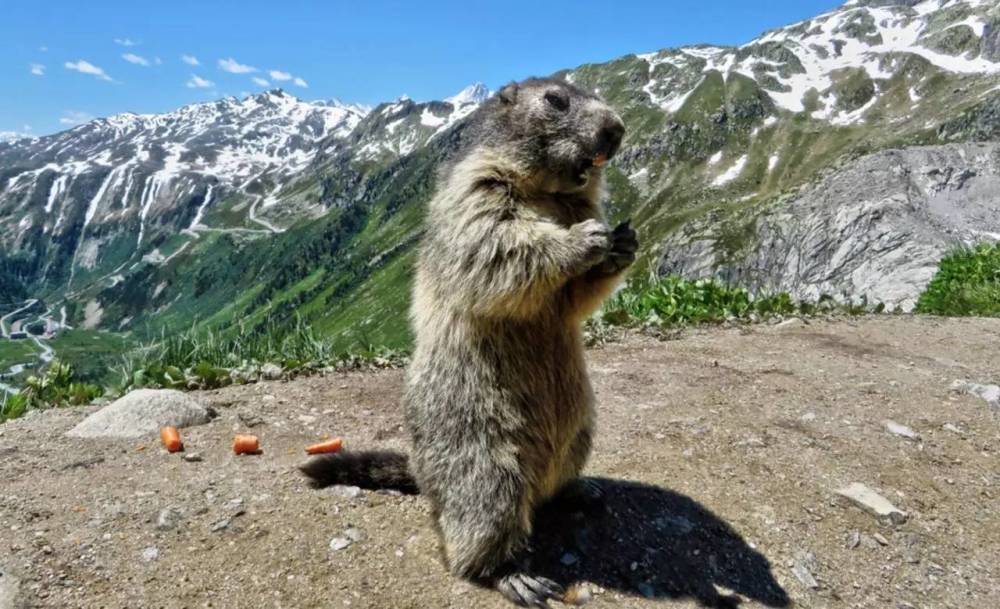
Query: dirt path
(721, 454)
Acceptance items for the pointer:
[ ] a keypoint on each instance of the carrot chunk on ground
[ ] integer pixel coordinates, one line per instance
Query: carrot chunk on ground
(330, 446)
(245, 444)
(171, 439)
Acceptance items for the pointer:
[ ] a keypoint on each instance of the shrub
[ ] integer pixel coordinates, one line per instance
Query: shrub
(675, 301)
(209, 358)
(56, 388)
(967, 284)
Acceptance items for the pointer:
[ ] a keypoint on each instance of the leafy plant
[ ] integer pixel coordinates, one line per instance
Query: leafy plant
(56, 388)
(208, 358)
(12, 405)
(967, 283)
(675, 301)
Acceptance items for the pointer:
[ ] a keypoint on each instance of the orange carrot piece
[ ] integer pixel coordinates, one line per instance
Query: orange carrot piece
(171, 439)
(330, 446)
(245, 445)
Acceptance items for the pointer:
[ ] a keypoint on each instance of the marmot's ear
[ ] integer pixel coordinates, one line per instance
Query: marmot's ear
(508, 94)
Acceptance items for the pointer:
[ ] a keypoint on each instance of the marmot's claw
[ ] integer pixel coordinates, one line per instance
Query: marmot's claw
(529, 590)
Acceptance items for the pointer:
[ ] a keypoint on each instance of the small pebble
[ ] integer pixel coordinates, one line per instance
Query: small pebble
(339, 543)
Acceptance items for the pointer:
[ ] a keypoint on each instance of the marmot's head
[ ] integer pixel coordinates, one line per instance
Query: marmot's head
(561, 132)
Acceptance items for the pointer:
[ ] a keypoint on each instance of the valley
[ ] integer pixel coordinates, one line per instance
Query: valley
(24, 343)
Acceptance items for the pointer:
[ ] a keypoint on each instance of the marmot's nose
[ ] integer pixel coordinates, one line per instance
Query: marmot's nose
(609, 138)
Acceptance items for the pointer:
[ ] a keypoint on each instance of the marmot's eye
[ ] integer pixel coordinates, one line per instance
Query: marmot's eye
(558, 100)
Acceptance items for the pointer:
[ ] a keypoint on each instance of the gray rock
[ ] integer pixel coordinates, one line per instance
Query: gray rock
(951, 428)
(790, 324)
(250, 419)
(876, 228)
(150, 554)
(221, 525)
(873, 503)
(854, 540)
(344, 491)
(339, 543)
(10, 587)
(235, 507)
(192, 457)
(803, 567)
(142, 412)
(802, 574)
(901, 430)
(355, 534)
(167, 519)
(271, 372)
(989, 393)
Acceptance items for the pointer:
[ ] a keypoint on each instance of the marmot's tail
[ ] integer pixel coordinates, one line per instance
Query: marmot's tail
(368, 469)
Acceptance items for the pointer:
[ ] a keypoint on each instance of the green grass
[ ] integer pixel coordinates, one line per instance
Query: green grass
(92, 354)
(674, 301)
(16, 352)
(58, 387)
(967, 284)
(206, 357)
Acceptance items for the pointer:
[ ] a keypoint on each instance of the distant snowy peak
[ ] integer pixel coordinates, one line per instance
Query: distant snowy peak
(475, 93)
(876, 36)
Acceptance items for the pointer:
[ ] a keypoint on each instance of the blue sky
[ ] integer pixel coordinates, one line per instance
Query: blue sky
(63, 62)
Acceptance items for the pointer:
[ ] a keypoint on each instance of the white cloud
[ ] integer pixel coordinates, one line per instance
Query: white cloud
(260, 81)
(197, 82)
(157, 61)
(279, 75)
(10, 136)
(73, 117)
(85, 67)
(38, 69)
(136, 59)
(300, 83)
(43, 49)
(235, 67)
(191, 60)
(125, 42)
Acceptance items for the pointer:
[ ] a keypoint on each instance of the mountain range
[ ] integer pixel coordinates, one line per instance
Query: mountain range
(842, 155)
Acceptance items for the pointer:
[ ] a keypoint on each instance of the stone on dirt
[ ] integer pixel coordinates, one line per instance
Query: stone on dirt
(167, 519)
(989, 393)
(142, 412)
(873, 503)
(901, 430)
(9, 590)
(339, 543)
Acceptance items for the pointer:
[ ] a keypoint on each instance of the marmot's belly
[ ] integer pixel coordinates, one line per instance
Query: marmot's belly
(529, 398)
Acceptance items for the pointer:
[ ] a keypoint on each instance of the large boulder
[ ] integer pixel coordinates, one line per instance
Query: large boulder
(142, 412)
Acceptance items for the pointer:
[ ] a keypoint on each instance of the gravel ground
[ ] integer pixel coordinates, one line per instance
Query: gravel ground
(721, 454)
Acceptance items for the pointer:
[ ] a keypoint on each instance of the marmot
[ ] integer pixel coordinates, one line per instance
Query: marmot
(515, 256)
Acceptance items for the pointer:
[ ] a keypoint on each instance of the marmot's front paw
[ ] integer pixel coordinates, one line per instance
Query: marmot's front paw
(595, 239)
(624, 245)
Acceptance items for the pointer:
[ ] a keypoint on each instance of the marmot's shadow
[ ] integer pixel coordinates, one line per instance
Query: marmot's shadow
(655, 543)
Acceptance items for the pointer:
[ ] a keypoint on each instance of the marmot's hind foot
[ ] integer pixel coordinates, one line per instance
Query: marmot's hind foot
(529, 590)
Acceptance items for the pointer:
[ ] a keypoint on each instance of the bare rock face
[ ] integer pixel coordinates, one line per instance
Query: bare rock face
(142, 412)
(876, 228)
